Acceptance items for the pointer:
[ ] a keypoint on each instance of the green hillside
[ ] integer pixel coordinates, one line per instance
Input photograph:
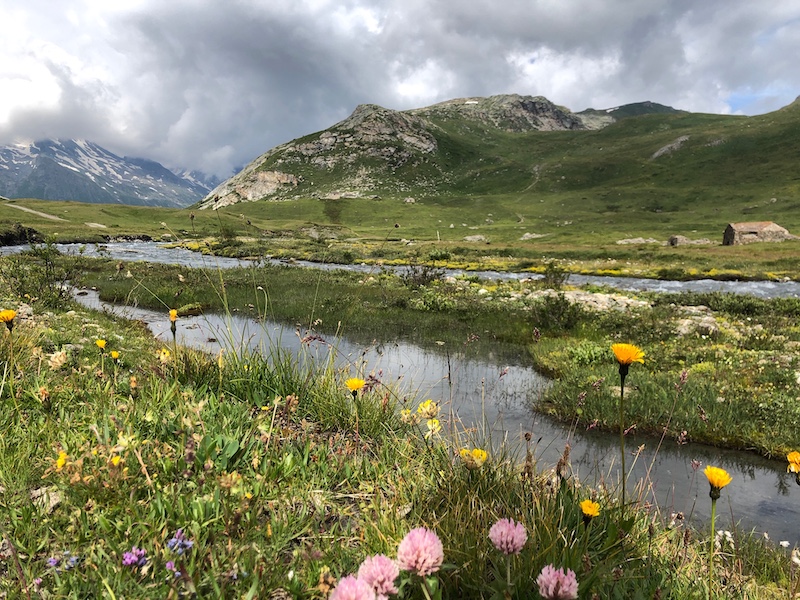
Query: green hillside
(470, 182)
(648, 175)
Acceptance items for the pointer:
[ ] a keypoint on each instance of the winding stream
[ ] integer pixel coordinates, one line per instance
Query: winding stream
(153, 252)
(493, 400)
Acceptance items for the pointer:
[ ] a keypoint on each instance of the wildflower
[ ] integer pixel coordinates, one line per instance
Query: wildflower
(137, 557)
(420, 551)
(7, 316)
(351, 588)
(627, 354)
(434, 427)
(173, 315)
(65, 562)
(115, 460)
(724, 537)
(354, 384)
(507, 536)
(718, 479)
(179, 543)
(101, 344)
(590, 509)
(61, 461)
(115, 355)
(163, 356)
(172, 568)
(557, 584)
(409, 418)
(57, 360)
(474, 458)
(794, 462)
(428, 409)
(380, 572)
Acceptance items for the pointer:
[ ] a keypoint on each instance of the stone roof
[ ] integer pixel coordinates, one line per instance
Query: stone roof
(751, 226)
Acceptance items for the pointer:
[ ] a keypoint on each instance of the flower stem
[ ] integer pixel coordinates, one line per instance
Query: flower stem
(508, 572)
(711, 548)
(12, 370)
(622, 431)
(426, 590)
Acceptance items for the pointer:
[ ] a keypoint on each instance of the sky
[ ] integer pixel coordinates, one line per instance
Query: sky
(212, 84)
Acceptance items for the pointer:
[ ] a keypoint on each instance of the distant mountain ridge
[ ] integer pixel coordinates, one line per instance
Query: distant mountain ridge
(378, 150)
(83, 171)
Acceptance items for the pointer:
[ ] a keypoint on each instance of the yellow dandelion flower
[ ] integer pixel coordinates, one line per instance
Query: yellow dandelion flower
(717, 478)
(794, 462)
(627, 354)
(101, 344)
(115, 355)
(590, 509)
(116, 459)
(7, 316)
(173, 315)
(354, 384)
(163, 355)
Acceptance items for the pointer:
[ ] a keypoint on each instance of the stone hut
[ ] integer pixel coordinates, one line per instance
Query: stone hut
(756, 231)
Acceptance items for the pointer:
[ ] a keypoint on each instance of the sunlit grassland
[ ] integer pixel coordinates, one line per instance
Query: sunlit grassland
(277, 475)
(742, 372)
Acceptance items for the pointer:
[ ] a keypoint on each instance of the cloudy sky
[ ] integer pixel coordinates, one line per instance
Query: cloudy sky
(211, 84)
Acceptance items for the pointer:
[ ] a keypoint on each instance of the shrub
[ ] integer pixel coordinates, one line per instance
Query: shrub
(42, 274)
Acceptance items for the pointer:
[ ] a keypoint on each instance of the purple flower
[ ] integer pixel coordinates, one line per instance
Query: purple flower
(557, 585)
(380, 572)
(172, 568)
(420, 551)
(66, 562)
(507, 536)
(137, 557)
(351, 588)
(178, 543)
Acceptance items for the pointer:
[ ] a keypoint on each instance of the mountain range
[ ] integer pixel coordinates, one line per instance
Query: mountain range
(420, 151)
(84, 171)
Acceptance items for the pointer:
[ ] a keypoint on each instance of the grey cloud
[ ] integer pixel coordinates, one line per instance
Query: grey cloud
(212, 85)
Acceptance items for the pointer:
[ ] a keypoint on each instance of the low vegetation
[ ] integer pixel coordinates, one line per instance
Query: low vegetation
(133, 469)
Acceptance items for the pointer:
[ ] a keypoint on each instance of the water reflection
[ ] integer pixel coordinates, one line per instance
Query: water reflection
(493, 401)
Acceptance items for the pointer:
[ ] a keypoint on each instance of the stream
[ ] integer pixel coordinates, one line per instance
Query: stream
(155, 252)
(492, 400)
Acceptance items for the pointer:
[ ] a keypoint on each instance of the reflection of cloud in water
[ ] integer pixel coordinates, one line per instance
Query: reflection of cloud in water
(485, 397)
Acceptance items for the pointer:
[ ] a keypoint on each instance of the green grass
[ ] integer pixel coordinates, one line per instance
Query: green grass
(282, 481)
(582, 190)
(741, 366)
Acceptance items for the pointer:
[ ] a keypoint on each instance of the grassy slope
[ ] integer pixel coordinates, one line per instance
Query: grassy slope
(582, 190)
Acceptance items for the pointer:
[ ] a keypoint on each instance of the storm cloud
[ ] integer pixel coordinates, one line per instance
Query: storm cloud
(211, 85)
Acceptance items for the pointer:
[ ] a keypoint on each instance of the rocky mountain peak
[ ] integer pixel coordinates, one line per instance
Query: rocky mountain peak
(376, 149)
(510, 112)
